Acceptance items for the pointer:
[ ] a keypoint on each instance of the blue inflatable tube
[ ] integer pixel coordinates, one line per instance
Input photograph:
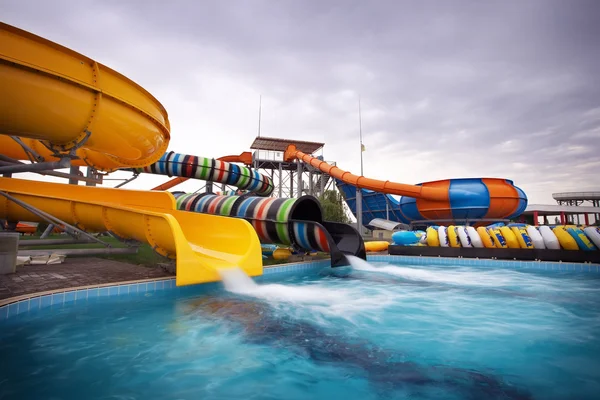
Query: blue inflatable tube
(405, 238)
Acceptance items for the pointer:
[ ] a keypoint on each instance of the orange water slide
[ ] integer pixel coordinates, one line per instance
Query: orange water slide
(401, 189)
(245, 157)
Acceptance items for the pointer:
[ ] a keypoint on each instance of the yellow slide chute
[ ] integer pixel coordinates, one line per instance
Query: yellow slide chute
(60, 103)
(199, 242)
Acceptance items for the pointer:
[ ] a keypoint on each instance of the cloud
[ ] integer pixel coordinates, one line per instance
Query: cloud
(448, 89)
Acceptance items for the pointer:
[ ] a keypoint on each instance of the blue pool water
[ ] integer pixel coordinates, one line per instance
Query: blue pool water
(378, 331)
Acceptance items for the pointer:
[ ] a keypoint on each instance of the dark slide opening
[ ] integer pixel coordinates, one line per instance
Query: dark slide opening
(307, 208)
(347, 239)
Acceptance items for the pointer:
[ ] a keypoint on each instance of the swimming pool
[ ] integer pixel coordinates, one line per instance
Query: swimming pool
(379, 331)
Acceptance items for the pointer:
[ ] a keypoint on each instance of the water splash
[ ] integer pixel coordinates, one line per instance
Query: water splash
(450, 276)
(237, 281)
(316, 296)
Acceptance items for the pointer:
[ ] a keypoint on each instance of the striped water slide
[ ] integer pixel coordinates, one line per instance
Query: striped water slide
(297, 222)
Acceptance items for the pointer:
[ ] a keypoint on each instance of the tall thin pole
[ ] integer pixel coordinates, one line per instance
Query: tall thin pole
(259, 112)
(359, 221)
(360, 136)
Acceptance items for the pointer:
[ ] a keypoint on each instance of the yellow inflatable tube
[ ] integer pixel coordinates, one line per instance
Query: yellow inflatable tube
(376, 246)
(453, 236)
(433, 239)
(566, 241)
(522, 237)
(282, 253)
(497, 237)
(509, 237)
(485, 237)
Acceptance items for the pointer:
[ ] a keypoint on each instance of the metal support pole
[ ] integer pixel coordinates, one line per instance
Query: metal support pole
(280, 180)
(74, 171)
(51, 242)
(90, 174)
(291, 183)
(7, 175)
(81, 252)
(311, 184)
(299, 177)
(5, 161)
(359, 221)
(134, 177)
(50, 218)
(209, 187)
(322, 184)
(32, 154)
(42, 166)
(387, 210)
(48, 231)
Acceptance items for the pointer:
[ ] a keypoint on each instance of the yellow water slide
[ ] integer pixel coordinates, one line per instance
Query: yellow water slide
(64, 105)
(58, 99)
(201, 243)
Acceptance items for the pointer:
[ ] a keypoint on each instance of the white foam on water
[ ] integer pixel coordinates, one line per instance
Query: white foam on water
(319, 296)
(450, 276)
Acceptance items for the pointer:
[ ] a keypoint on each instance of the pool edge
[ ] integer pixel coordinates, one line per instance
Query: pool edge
(13, 306)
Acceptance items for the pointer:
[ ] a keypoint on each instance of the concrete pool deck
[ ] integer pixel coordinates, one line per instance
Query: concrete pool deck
(74, 272)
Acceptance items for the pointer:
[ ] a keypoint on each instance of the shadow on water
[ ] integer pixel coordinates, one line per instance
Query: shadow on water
(263, 325)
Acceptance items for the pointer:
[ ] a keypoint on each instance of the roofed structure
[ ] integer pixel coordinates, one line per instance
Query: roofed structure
(582, 196)
(278, 144)
(553, 209)
(387, 225)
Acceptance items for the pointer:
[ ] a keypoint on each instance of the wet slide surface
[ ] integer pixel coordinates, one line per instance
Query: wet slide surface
(149, 217)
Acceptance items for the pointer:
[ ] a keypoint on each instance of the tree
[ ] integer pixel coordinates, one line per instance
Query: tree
(333, 207)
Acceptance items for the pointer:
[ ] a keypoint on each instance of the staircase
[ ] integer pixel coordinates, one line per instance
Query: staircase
(321, 183)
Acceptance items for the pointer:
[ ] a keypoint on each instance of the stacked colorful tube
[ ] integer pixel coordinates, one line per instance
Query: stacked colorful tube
(515, 236)
(284, 221)
(210, 169)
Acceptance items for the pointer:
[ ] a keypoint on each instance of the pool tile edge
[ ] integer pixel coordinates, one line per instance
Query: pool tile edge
(13, 306)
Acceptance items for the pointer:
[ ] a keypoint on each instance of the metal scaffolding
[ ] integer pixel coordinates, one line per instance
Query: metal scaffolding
(291, 179)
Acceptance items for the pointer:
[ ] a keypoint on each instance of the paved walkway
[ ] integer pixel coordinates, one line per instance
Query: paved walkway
(73, 272)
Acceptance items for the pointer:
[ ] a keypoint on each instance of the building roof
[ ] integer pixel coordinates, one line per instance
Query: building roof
(278, 144)
(566, 196)
(551, 209)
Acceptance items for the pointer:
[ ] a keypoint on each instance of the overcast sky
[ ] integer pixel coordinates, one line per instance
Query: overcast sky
(449, 89)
